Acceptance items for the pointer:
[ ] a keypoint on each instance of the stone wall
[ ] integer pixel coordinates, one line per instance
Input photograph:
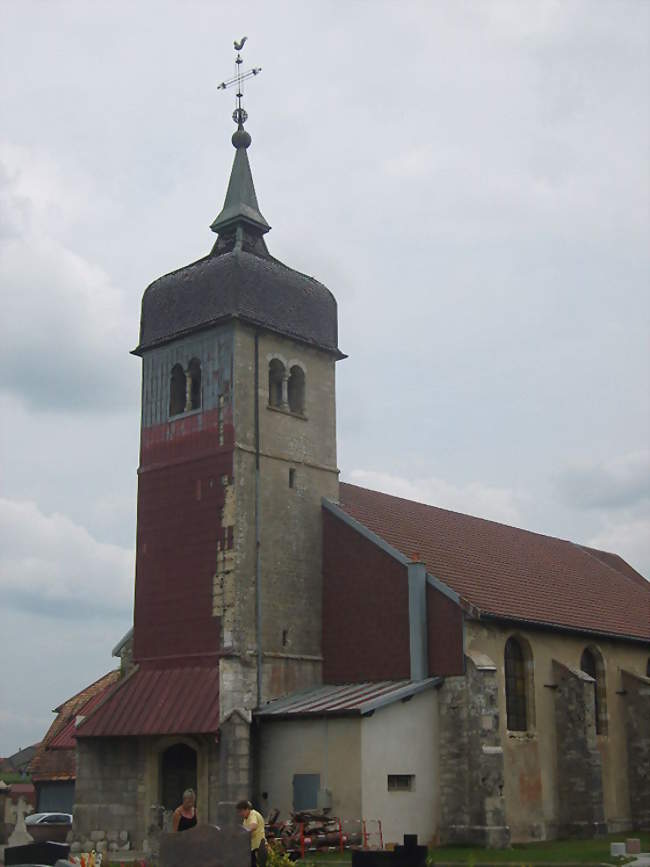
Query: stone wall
(579, 768)
(636, 691)
(109, 794)
(297, 468)
(119, 785)
(531, 764)
(235, 771)
(472, 804)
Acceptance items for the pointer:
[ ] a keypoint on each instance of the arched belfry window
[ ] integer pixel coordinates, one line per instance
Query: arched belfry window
(591, 662)
(177, 390)
(276, 383)
(518, 687)
(296, 389)
(194, 384)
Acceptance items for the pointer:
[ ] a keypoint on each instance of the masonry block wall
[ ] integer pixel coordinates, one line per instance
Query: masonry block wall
(637, 726)
(110, 792)
(579, 767)
(235, 770)
(290, 524)
(365, 608)
(471, 761)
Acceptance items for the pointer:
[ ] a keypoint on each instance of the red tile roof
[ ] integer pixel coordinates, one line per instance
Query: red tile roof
(55, 757)
(508, 572)
(156, 702)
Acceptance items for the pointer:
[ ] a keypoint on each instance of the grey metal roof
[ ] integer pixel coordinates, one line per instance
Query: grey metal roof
(239, 279)
(355, 699)
(238, 283)
(123, 640)
(241, 200)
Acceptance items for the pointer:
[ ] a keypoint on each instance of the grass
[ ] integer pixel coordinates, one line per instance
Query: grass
(552, 852)
(14, 778)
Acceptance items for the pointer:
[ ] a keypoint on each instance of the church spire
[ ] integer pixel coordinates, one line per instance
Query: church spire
(240, 205)
(240, 208)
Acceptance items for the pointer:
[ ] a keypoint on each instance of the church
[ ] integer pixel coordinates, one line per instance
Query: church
(309, 643)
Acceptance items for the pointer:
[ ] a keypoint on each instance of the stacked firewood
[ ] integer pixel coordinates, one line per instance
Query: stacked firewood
(308, 829)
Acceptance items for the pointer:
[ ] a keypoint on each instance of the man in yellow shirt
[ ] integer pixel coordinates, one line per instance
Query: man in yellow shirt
(253, 822)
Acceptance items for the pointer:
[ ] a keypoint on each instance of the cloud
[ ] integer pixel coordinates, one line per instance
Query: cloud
(475, 498)
(52, 661)
(66, 329)
(622, 482)
(54, 568)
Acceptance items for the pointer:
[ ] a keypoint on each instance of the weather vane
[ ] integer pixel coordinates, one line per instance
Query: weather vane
(239, 115)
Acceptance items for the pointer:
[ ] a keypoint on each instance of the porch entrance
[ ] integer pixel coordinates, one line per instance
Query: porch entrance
(177, 773)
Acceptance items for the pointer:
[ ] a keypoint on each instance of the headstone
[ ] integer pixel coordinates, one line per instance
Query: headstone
(410, 854)
(633, 846)
(616, 849)
(36, 853)
(205, 846)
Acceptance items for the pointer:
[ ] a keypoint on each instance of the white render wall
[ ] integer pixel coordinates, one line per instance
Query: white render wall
(402, 738)
(329, 747)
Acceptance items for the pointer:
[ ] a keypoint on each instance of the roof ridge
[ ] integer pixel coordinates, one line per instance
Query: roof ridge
(464, 514)
(591, 552)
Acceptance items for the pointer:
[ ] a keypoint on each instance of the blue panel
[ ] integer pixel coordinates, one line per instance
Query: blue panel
(55, 797)
(213, 348)
(305, 791)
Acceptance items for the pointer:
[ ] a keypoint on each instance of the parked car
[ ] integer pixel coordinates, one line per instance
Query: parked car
(49, 819)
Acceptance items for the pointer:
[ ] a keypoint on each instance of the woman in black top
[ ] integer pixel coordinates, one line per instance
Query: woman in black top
(185, 815)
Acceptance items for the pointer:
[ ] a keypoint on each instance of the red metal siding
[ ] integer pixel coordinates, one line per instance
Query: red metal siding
(365, 609)
(181, 494)
(445, 634)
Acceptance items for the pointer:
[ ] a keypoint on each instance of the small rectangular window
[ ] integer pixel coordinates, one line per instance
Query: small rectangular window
(292, 478)
(401, 782)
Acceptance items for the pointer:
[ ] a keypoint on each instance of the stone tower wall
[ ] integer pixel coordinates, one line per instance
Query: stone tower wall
(290, 518)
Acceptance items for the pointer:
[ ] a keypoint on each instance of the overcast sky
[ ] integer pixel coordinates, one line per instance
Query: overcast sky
(470, 179)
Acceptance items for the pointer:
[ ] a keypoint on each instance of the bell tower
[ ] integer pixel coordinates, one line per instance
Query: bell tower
(238, 448)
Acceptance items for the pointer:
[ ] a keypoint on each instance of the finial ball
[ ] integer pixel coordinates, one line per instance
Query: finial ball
(240, 138)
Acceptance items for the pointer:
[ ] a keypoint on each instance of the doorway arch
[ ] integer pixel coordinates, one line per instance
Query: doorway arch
(178, 771)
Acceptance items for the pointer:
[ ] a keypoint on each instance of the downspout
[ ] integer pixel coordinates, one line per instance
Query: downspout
(258, 523)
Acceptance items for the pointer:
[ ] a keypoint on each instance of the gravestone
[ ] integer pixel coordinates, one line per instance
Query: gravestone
(36, 853)
(408, 855)
(206, 846)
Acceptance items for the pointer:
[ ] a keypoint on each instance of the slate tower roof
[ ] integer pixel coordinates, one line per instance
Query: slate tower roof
(239, 279)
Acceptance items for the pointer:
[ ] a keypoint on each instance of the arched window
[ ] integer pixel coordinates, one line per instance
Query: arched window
(276, 382)
(516, 686)
(591, 662)
(296, 389)
(194, 374)
(177, 391)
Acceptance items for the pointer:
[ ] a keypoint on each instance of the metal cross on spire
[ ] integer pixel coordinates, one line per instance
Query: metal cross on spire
(239, 115)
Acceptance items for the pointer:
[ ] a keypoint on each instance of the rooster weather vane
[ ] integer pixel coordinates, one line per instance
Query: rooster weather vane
(239, 115)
